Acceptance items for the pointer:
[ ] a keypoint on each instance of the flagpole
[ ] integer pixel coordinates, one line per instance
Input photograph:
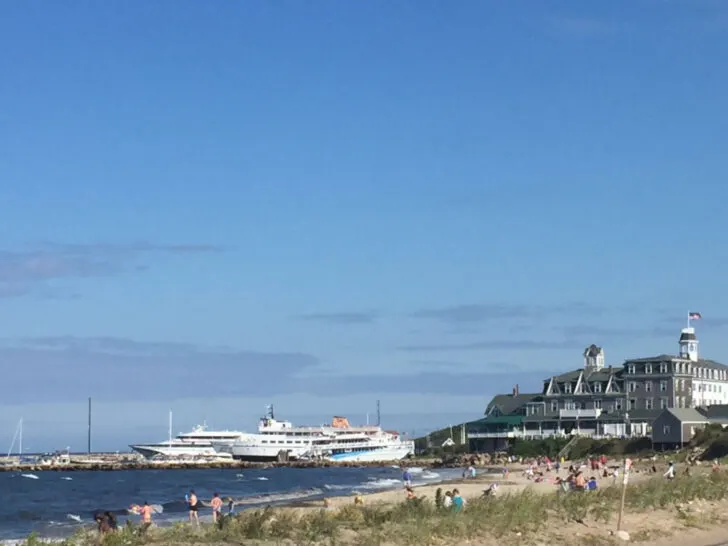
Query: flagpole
(688, 319)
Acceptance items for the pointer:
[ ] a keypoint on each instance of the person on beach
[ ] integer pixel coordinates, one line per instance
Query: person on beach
(407, 478)
(447, 500)
(194, 507)
(102, 524)
(145, 511)
(670, 474)
(230, 506)
(216, 504)
(458, 503)
(111, 518)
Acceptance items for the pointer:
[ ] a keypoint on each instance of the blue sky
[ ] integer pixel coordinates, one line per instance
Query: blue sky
(209, 206)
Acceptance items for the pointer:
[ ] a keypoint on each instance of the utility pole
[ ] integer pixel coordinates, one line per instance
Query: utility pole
(89, 425)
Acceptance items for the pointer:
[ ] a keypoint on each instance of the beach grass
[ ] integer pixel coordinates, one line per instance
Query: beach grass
(522, 514)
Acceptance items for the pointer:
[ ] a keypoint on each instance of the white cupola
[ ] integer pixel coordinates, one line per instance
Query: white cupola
(688, 344)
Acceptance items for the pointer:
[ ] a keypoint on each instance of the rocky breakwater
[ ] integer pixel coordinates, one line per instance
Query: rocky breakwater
(148, 465)
(464, 460)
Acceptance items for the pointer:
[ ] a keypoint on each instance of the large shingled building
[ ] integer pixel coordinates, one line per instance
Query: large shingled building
(600, 401)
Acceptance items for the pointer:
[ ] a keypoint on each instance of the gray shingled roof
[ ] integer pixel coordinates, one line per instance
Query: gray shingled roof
(600, 375)
(669, 358)
(509, 403)
(568, 376)
(719, 411)
(687, 415)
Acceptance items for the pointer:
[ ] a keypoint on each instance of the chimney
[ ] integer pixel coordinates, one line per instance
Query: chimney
(515, 390)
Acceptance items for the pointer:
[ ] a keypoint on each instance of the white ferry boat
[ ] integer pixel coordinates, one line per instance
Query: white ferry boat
(338, 441)
(198, 443)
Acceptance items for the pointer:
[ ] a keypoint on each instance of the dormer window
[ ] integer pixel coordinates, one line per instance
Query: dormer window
(648, 368)
(663, 367)
(567, 388)
(597, 387)
(631, 369)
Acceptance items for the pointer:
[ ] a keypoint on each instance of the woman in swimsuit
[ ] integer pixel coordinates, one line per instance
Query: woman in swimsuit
(194, 506)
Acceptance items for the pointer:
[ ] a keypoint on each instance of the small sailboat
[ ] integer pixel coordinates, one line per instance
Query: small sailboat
(18, 436)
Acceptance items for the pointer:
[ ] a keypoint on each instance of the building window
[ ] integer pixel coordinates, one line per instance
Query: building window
(682, 384)
(567, 388)
(666, 430)
(663, 386)
(663, 367)
(649, 403)
(569, 405)
(648, 386)
(632, 386)
(663, 403)
(630, 369)
(632, 404)
(597, 404)
(597, 387)
(648, 368)
(554, 406)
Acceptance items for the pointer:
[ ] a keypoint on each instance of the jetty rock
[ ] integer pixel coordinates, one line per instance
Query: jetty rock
(112, 465)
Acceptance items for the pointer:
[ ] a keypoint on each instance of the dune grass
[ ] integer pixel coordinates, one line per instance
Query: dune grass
(422, 522)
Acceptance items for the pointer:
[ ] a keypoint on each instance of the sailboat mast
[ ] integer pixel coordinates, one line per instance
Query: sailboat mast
(20, 443)
(170, 428)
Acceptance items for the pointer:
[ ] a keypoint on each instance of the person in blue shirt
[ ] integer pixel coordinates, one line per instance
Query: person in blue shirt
(407, 478)
(458, 503)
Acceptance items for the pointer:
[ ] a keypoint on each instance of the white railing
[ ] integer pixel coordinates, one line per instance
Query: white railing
(579, 413)
(504, 434)
(532, 434)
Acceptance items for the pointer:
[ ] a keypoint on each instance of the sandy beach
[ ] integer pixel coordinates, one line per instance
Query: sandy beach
(472, 488)
(658, 528)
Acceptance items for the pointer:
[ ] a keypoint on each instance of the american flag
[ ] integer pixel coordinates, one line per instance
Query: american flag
(694, 316)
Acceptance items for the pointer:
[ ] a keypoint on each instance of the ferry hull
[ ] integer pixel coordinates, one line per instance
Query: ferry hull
(260, 454)
(150, 450)
(395, 453)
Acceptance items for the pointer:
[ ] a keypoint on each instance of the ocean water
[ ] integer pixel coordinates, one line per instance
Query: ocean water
(55, 504)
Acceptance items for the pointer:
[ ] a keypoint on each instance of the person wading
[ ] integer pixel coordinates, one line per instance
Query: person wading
(194, 507)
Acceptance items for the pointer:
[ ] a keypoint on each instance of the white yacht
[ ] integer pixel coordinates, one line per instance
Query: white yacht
(337, 441)
(198, 443)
